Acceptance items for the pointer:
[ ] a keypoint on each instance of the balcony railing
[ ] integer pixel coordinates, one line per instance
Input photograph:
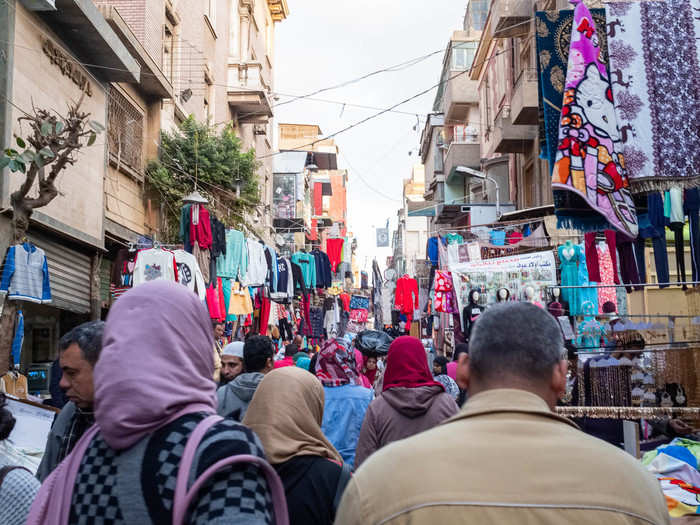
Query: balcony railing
(248, 91)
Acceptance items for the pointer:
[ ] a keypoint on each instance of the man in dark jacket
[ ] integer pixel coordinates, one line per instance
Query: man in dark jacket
(78, 350)
(234, 397)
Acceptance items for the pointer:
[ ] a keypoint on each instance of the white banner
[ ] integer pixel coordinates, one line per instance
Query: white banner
(514, 272)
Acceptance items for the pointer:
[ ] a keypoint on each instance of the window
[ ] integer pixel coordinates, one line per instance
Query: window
(439, 142)
(168, 53)
(529, 186)
(463, 55)
(124, 131)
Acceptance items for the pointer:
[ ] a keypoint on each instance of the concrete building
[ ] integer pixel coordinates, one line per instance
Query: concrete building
(44, 48)
(409, 243)
(326, 210)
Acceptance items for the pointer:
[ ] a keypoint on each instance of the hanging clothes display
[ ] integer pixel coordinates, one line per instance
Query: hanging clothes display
(122, 273)
(570, 258)
(406, 296)
(607, 276)
(234, 263)
(334, 248)
(323, 269)
(25, 274)
(189, 274)
(257, 264)
(691, 205)
(591, 334)
(585, 294)
(588, 160)
(240, 303)
(154, 264)
(654, 59)
(203, 258)
(673, 202)
(471, 313)
(200, 226)
(185, 219)
(218, 238)
(307, 263)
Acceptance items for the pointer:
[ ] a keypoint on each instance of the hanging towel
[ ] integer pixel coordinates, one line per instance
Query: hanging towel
(654, 67)
(589, 157)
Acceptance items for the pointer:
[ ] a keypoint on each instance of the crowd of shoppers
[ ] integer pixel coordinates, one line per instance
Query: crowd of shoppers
(316, 439)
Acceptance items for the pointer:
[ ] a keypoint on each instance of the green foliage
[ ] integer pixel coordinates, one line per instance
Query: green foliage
(218, 162)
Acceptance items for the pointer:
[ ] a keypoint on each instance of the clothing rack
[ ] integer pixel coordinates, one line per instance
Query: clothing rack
(458, 229)
(609, 349)
(627, 412)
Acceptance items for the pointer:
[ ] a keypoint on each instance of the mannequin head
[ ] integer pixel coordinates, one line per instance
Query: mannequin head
(502, 295)
(474, 296)
(530, 292)
(555, 293)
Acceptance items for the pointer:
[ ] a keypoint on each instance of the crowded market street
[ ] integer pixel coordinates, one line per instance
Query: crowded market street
(310, 262)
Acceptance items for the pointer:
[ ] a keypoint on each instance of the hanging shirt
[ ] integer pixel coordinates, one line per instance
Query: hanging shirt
(189, 273)
(433, 250)
(257, 264)
(406, 299)
(323, 269)
(122, 274)
(307, 263)
(25, 275)
(234, 264)
(200, 226)
(454, 238)
(154, 264)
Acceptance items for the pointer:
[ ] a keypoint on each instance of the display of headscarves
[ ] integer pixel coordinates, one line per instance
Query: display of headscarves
(336, 364)
(654, 50)
(589, 161)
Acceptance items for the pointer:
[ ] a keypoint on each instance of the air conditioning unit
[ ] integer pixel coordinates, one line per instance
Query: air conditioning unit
(465, 209)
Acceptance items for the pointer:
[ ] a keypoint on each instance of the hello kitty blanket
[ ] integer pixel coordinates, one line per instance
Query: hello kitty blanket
(589, 159)
(654, 50)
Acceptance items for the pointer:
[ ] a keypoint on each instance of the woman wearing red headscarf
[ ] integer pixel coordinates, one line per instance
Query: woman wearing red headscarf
(411, 401)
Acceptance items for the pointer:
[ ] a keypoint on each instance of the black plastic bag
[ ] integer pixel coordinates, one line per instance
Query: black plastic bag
(373, 342)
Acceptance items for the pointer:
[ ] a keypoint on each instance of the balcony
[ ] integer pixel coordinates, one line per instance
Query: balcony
(248, 92)
(523, 105)
(510, 18)
(460, 93)
(461, 154)
(509, 137)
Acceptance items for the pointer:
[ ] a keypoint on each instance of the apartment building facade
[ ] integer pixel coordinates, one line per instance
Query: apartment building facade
(411, 237)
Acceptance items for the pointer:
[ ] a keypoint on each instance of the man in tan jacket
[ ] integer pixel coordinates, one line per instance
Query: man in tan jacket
(506, 458)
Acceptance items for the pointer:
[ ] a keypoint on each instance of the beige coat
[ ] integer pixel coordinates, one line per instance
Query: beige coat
(504, 459)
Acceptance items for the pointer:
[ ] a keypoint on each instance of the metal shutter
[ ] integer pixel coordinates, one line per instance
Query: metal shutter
(69, 274)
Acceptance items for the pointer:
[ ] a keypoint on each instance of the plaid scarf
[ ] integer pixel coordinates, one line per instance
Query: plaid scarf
(336, 365)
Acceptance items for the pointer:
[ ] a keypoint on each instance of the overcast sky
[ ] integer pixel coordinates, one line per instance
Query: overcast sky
(326, 42)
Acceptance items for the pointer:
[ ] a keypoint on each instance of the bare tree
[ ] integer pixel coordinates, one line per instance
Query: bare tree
(50, 146)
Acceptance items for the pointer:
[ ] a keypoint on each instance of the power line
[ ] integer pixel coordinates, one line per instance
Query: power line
(390, 69)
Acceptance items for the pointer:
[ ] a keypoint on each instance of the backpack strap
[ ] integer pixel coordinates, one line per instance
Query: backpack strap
(4, 471)
(343, 480)
(183, 497)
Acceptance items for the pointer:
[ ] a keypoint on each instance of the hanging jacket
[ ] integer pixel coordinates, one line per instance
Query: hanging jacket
(185, 218)
(298, 278)
(218, 236)
(257, 264)
(307, 263)
(200, 226)
(234, 263)
(323, 269)
(25, 275)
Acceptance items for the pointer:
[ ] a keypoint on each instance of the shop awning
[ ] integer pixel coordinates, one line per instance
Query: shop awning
(421, 209)
(527, 213)
(89, 36)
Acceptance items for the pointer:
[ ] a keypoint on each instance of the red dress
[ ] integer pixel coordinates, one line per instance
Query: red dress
(406, 299)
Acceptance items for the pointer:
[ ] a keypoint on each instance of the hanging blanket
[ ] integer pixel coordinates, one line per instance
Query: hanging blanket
(654, 63)
(553, 36)
(676, 470)
(589, 157)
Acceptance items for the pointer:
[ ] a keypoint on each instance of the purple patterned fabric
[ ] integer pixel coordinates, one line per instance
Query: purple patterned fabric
(589, 159)
(654, 61)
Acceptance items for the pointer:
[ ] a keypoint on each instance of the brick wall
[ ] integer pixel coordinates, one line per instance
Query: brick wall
(146, 19)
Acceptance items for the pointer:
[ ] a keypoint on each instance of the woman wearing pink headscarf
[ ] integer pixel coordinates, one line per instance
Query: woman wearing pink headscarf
(153, 385)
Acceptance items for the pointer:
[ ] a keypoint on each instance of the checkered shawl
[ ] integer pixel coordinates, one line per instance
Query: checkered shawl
(106, 489)
(336, 365)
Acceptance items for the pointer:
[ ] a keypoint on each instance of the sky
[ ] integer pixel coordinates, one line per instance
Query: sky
(326, 42)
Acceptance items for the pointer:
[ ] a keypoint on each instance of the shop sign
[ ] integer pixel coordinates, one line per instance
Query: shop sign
(514, 272)
(67, 65)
